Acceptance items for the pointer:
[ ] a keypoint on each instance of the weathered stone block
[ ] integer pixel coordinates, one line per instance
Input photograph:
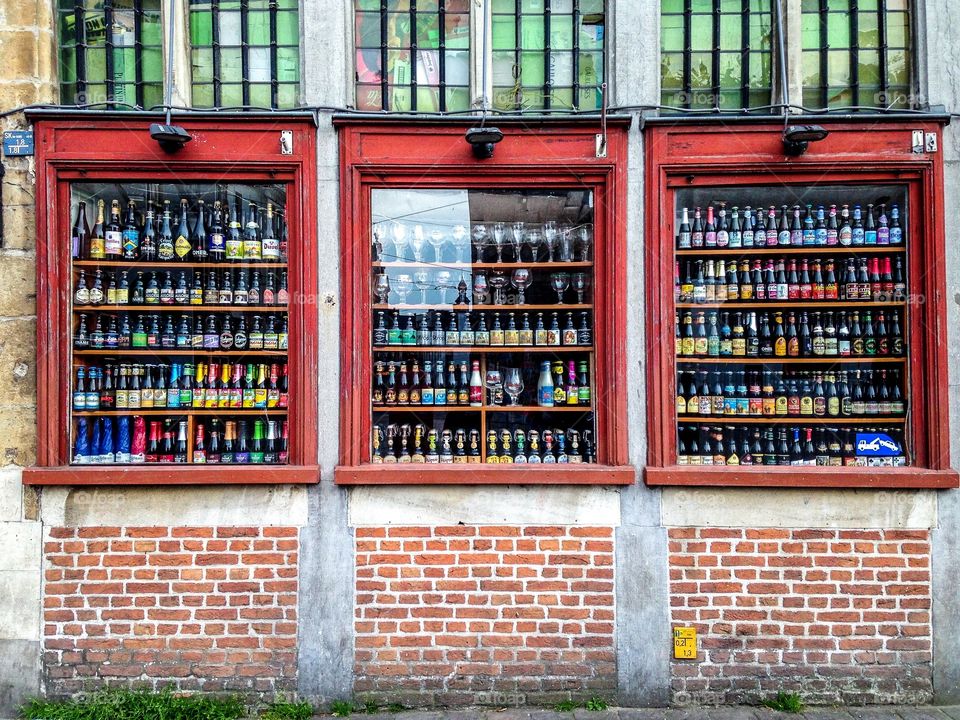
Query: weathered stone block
(18, 295)
(18, 54)
(11, 495)
(19, 224)
(18, 430)
(18, 361)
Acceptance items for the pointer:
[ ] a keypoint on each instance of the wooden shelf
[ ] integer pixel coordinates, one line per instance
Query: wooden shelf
(483, 409)
(87, 309)
(556, 349)
(811, 305)
(822, 360)
(173, 264)
(180, 352)
(796, 250)
(426, 408)
(483, 265)
(178, 412)
(801, 420)
(538, 408)
(470, 308)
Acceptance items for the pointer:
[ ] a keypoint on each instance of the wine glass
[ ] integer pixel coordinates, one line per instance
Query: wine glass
(418, 242)
(579, 282)
(550, 238)
(493, 382)
(498, 282)
(443, 283)
(421, 279)
(522, 279)
(460, 241)
(381, 288)
(565, 245)
(378, 234)
(498, 236)
(513, 384)
(436, 241)
(517, 239)
(534, 240)
(481, 289)
(585, 235)
(479, 240)
(403, 284)
(399, 232)
(559, 282)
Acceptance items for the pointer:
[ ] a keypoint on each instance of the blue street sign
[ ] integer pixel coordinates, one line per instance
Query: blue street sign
(877, 445)
(17, 143)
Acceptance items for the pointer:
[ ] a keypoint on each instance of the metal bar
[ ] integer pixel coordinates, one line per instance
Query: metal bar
(517, 35)
(824, 54)
(745, 53)
(245, 50)
(855, 51)
(777, 7)
(80, 50)
(547, 84)
(138, 51)
(715, 59)
(274, 80)
(687, 52)
(884, 76)
(108, 49)
(442, 60)
(576, 54)
(384, 85)
(215, 28)
(413, 55)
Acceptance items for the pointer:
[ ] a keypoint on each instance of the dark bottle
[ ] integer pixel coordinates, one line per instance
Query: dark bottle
(870, 228)
(181, 245)
(216, 240)
(131, 234)
(198, 238)
(165, 244)
(80, 235)
(148, 239)
(113, 236)
(234, 240)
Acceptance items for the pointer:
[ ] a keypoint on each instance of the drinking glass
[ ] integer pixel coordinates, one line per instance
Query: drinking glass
(579, 282)
(418, 242)
(378, 233)
(399, 232)
(522, 279)
(534, 240)
(559, 282)
(498, 237)
(381, 288)
(565, 245)
(550, 238)
(481, 290)
(585, 235)
(493, 382)
(443, 284)
(421, 279)
(517, 239)
(403, 284)
(436, 241)
(498, 282)
(460, 241)
(479, 240)
(513, 384)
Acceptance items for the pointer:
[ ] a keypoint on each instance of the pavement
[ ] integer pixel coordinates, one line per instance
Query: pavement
(870, 712)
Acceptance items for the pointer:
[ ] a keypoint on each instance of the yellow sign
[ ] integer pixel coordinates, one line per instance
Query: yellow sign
(685, 643)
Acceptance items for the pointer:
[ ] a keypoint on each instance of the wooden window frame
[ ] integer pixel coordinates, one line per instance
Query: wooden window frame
(685, 155)
(392, 154)
(94, 148)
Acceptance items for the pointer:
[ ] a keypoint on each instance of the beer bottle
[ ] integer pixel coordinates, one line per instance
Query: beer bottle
(416, 394)
(683, 234)
(252, 245)
(870, 228)
(440, 387)
(453, 394)
(199, 449)
(403, 386)
(216, 240)
(242, 453)
(426, 393)
(113, 236)
(81, 295)
(257, 447)
(736, 230)
(229, 454)
(696, 232)
(723, 231)
(198, 238)
(98, 248)
(809, 231)
(896, 337)
(820, 229)
(883, 227)
(463, 387)
(796, 227)
(181, 245)
(270, 245)
(710, 230)
(165, 244)
(857, 235)
(759, 230)
(779, 336)
(833, 229)
(234, 242)
(180, 456)
(80, 234)
(896, 231)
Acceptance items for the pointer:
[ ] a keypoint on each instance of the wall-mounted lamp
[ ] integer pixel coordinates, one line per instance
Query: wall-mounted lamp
(482, 140)
(797, 137)
(170, 137)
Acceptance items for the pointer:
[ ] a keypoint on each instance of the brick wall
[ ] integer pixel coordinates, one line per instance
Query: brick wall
(203, 608)
(836, 615)
(484, 614)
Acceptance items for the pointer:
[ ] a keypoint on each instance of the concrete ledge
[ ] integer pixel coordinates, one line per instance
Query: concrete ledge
(19, 674)
(752, 507)
(476, 505)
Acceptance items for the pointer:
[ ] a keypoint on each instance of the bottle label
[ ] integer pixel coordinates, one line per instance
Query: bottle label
(82, 296)
(252, 249)
(165, 251)
(216, 243)
(270, 249)
(131, 241)
(113, 242)
(182, 246)
(234, 249)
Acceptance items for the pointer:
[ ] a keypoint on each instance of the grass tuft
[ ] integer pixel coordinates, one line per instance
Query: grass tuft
(341, 708)
(784, 702)
(596, 703)
(281, 709)
(135, 705)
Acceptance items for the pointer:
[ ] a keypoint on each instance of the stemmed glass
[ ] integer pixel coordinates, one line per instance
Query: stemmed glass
(418, 243)
(517, 239)
(493, 382)
(550, 238)
(378, 234)
(585, 235)
(498, 233)
(480, 289)
(513, 384)
(522, 279)
(381, 288)
(565, 245)
(421, 279)
(443, 283)
(534, 239)
(579, 282)
(403, 284)
(498, 282)
(460, 241)
(399, 233)
(479, 240)
(559, 282)
(436, 241)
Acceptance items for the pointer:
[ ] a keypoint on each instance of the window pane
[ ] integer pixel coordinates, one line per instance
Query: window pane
(730, 70)
(869, 68)
(457, 64)
(428, 30)
(288, 28)
(202, 95)
(701, 32)
(288, 65)
(260, 94)
(503, 69)
(671, 34)
(730, 32)
(398, 30)
(231, 95)
(561, 32)
(458, 99)
(838, 32)
(838, 67)
(591, 68)
(201, 28)
(869, 30)
(531, 68)
(671, 71)
(531, 32)
(368, 29)
(287, 95)
(368, 66)
(202, 64)
(561, 70)
(369, 97)
(897, 30)
(504, 6)
(503, 32)
(458, 31)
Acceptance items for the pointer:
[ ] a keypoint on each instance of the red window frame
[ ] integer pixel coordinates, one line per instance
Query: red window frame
(99, 148)
(378, 154)
(686, 156)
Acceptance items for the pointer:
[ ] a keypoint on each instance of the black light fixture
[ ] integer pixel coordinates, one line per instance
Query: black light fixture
(797, 137)
(482, 140)
(170, 137)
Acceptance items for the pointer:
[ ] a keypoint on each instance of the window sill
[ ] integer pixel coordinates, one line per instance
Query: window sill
(172, 475)
(474, 474)
(821, 477)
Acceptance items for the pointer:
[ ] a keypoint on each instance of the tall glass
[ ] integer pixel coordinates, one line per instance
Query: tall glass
(513, 384)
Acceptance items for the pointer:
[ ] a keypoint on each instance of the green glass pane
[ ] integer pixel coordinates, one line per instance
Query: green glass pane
(504, 6)
(701, 6)
(428, 30)
(503, 69)
(458, 31)
(898, 5)
(561, 69)
(457, 67)
(258, 28)
(761, 70)
(838, 32)
(730, 70)
(561, 98)
(260, 95)
(368, 66)
(231, 95)
(838, 67)
(400, 99)
(811, 68)
(760, 32)
(66, 27)
(258, 4)
(730, 100)
(201, 28)
(531, 68)
(367, 29)
(288, 65)
(590, 99)
(532, 6)
(591, 6)
(671, 34)
(531, 32)
(94, 93)
(730, 32)
(398, 4)
(427, 6)
(288, 28)
(759, 98)
(288, 96)
(399, 71)
(591, 33)
(731, 6)
(869, 67)
(458, 99)
(591, 68)
(898, 67)
(811, 98)
(838, 5)
(839, 97)
(561, 32)
(504, 98)
(230, 28)
(152, 95)
(898, 31)
(761, 6)
(151, 64)
(125, 93)
(558, 7)
(503, 31)
(869, 30)
(700, 72)
(671, 71)
(288, 4)
(671, 6)
(868, 5)
(367, 4)
(231, 67)
(229, 5)
(810, 6)
(201, 61)
(369, 97)
(95, 65)
(398, 30)
(151, 31)
(68, 67)
(203, 95)
(701, 32)
(428, 98)
(531, 99)
(670, 99)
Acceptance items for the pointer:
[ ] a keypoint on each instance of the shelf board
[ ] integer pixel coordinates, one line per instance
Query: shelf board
(801, 420)
(538, 408)
(425, 408)
(180, 411)
(485, 408)
(470, 308)
(180, 352)
(483, 265)
(822, 360)
(87, 309)
(811, 305)
(556, 349)
(795, 250)
(172, 265)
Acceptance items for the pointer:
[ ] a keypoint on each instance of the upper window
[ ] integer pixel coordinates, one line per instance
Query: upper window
(716, 54)
(856, 53)
(245, 53)
(110, 52)
(417, 55)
